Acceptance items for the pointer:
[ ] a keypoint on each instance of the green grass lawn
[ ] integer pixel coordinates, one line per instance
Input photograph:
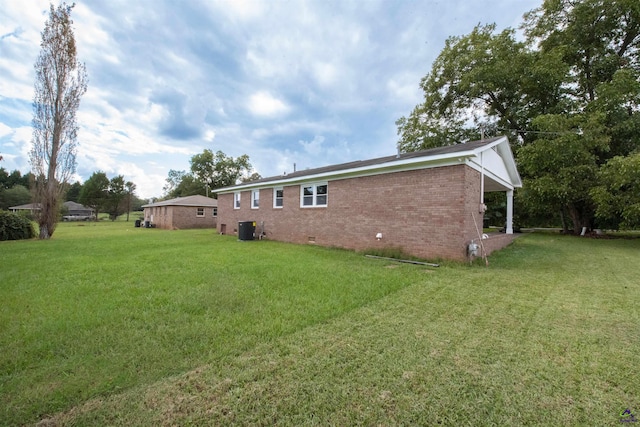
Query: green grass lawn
(107, 324)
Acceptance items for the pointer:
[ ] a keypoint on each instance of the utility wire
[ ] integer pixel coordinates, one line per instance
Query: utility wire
(577, 132)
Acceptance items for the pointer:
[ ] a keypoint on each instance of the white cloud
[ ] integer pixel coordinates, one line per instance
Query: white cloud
(244, 10)
(264, 104)
(15, 147)
(404, 89)
(146, 183)
(325, 73)
(5, 130)
(313, 147)
(209, 135)
(313, 83)
(88, 28)
(320, 152)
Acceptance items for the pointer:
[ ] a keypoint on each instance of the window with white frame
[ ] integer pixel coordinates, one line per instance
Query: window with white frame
(278, 197)
(200, 212)
(255, 199)
(236, 200)
(214, 212)
(312, 195)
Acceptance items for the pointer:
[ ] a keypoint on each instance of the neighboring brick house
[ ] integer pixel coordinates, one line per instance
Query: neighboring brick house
(73, 210)
(33, 208)
(183, 212)
(429, 203)
(69, 208)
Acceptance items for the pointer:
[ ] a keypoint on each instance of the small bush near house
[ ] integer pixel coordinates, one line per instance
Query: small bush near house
(14, 226)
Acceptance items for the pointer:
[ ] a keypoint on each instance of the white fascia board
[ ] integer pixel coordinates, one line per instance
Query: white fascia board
(448, 159)
(489, 174)
(174, 203)
(503, 148)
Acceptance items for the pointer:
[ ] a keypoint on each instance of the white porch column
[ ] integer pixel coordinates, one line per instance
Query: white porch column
(509, 229)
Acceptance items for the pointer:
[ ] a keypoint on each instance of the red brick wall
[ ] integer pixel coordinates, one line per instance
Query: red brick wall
(426, 212)
(496, 241)
(177, 217)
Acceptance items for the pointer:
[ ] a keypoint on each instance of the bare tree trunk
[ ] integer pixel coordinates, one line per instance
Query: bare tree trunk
(47, 219)
(49, 201)
(60, 83)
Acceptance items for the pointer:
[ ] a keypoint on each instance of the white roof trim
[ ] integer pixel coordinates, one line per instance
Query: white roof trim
(412, 163)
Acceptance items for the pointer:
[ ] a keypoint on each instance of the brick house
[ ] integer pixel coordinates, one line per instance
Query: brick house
(70, 208)
(183, 212)
(428, 203)
(73, 209)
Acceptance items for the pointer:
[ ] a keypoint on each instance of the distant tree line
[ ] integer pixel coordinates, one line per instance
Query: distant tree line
(14, 188)
(114, 196)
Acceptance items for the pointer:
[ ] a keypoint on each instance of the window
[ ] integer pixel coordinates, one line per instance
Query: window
(255, 199)
(314, 194)
(200, 212)
(278, 197)
(236, 200)
(214, 211)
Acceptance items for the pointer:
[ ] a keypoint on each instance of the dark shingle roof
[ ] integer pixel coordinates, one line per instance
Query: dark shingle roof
(197, 200)
(450, 149)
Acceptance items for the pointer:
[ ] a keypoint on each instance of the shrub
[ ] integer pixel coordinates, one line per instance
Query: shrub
(15, 226)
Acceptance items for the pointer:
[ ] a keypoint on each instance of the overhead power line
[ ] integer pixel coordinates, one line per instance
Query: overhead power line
(577, 132)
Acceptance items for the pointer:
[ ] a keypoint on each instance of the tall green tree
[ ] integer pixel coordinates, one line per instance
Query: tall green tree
(14, 196)
(482, 82)
(8, 180)
(219, 170)
(209, 171)
(60, 83)
(95, 192)
(130, 187)
(115, 203)
(253, 177)
(567, 96)
(182, 184)
(4, 177)
(617, 196)
(73, 193)
(599, 42)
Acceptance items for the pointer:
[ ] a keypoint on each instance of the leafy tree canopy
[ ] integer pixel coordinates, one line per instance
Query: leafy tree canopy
(14, 196)
(95, 191)
(73, 193)
(114, 196)
(182, 184)
(219, 170)
(618, 194)
(568, 97)
(8, 180)
(209, 171)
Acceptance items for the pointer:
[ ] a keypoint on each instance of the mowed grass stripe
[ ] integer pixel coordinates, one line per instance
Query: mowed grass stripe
(105, 307)
(547, 335)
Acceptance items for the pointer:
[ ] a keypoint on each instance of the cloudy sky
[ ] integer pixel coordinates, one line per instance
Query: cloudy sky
(285, 81)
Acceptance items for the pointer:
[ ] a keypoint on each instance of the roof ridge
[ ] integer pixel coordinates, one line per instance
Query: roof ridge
(446, 149)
